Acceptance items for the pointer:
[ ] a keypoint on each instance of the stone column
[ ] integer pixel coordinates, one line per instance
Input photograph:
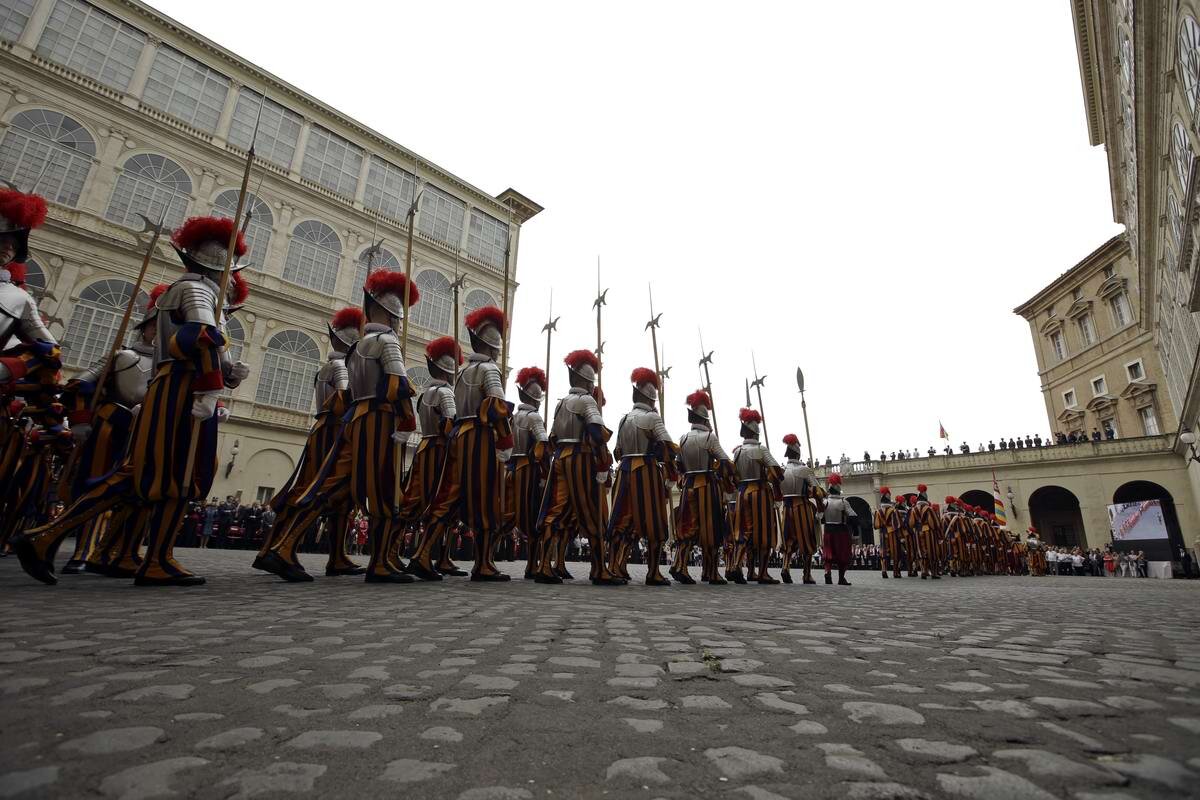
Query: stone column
(360, 191)
(141, 72)
(34, 28)
(301, 146)
(466, 231)
(221, 134)
(105, 170)
(280, 238)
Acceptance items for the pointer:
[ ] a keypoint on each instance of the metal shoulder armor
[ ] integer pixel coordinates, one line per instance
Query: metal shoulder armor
(794, 480)
(748, 462)
(191, 299)
(364, 368)
(836, 510)
(129, 376)
(19, 316)
(695, 451)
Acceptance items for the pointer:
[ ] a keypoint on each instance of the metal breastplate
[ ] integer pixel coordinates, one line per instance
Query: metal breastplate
(522, 428)
(189, 299)
(129, 377)
(469, 388)
(429, 410)
(635, 434)
(19, 315)
(331, 377)
(836, 510)
(569, 423)
(796, 478)
(693, 451)
(364, 368)
(749, 463)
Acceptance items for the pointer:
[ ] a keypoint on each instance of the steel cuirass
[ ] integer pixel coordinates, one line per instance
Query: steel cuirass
(376, 354)
(639, 430)
(435, 406)
(837, 510)
(331, 377)
(19, 316)
(574, 413)
(797, 477)
(480, 378)
(528, 429)
(191, 299)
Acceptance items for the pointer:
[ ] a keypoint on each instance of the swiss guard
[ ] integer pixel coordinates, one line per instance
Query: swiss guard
(331, 398)
(923, 522)
(471, 485)
(803, 499)
(647, 461)
(436, 412)
(887, 522)
(528, 466)
(178, 416)
(707, 475)
(572, 501)
(835, 544)
(758, 476)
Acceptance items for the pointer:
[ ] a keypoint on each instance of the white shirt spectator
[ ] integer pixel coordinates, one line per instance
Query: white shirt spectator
(1077, 561)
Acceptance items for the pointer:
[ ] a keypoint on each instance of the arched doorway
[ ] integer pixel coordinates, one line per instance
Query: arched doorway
(1156, 549)
(978, 497)
(866, 519)
(1055, 513)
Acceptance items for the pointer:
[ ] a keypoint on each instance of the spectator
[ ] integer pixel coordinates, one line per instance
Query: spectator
(1028, 440)
(828, 461)
(210, 522)
(1109, 433)
(1003, 444)
(1140, 564)
(964, 447)
(883, 456)
(980, 448)
(992, 445)
(866, 456)
(1020, 444)
(252, 522)
(1077, 562)
(1012, 445)
(1037, 440)
(932, 452)
(1095, 435)
(268, 520)
(1051, 561)
(360, 534)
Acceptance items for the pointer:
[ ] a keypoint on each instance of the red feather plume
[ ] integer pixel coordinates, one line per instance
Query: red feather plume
(351, 317)
(23, 210)
(484, 316)
(643, 375)
(791, 438)
(390, 281)
(922, 487)
(700, 398)
(239, 289)
(749, 415)
(198, 231)
(156, 293)
(577, 359)
(885, 490)
(835, 479)
(951, 499)
(444, 346)
(535, 374)
(16, 273)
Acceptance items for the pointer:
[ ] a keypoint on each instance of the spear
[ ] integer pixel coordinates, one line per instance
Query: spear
(705, 360)
(804, 408)
(663, 374)
(408, 258)
(652, 326)
(600, 301)
(459, 282)
(758, 384)
(223, 286)
(550, 326)
(504, 341)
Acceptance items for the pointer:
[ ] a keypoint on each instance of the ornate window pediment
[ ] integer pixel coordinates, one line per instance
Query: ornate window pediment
(1112, 287)
(1079, 308)
(1051, 325)
(1140, 393)
(1101, 402)
(1071, 417)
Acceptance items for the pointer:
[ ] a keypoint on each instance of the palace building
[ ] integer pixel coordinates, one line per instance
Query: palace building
(116, 112)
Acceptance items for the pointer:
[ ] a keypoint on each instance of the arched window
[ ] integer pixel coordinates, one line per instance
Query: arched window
(1189, 60)
(1174, 219)
(258, 232)
(313, 256)
(477, 298)
(1181, 155)
(95, 320)
(384, 258)
(37, 137)
(35, 279)
(236, 336)
(419, 378)
(290, 362)
(148, 183)
(437, 301)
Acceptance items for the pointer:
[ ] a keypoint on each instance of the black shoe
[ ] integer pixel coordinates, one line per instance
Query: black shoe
(767, 580)
(610, 581)
(786, 576)
(936, 577)
(258, 563)
(562, 573)
(292, 573)
(334, 572)
(453, 571)
(419, 570)
(551, 579)
(657, 580)
(828, 579)
(494, 577)
(810, 582)
(94, 569)
(843, 582)
(717, 581)
(530, 574)
(170, 580)
(72, 567)
(885, 576)
(388, 577)
(924, 577)
(685, 579)
(32, 563)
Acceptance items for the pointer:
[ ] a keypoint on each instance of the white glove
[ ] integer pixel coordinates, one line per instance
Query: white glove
(204, 405)
(81, 432)
(602, 477)
(238, 371)
(400, 437)
(222, 413)
(504, 455)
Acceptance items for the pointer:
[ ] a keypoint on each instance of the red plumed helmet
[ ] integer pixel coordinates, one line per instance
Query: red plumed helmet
(749, 415)
(239, 289)
(198, 231)
(390, 281)
(643, 375)
(791, 438)
(156, 293)
(835, 479)
(578, 359)
(27, 211)
(885, 490)
(700, 398)
(950, 499)
(351, 317)
(485, 316)
(443, 347)
(922, 488)
(16, 273)
(535, 374)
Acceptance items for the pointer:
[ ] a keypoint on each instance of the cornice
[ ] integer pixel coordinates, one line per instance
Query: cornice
(1089, 68)
(1104, 255)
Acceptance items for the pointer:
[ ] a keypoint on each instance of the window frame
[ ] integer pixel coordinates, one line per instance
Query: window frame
(1058, 346)
(1087, 330)
(1120, 300)
(1103, 381)
(177, 201)
(1149, 411)
(285, 377)
(326, 281)
(168, 85)
(1070, 399)
(29, 163)
(1141, 367)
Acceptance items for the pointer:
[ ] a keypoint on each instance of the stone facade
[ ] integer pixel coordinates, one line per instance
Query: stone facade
(115, 110)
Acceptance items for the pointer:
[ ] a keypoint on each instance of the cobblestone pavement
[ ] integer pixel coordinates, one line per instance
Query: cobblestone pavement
(976, 688)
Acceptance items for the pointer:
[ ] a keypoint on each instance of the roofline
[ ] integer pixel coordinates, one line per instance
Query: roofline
(1089, 69)
(274, 82)
(1105, 254)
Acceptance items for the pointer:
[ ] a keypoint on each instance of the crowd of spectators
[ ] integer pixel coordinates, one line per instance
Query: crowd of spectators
(1011, 443)
(226, 523)
(1106, 563)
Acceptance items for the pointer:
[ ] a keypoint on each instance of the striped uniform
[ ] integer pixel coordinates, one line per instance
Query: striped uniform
(924, 525)
(957, 531)
(435, 413)
(639, 506)
(758, 475)
(708, 474)
(525, 474)
(803, 499)
(887, 522)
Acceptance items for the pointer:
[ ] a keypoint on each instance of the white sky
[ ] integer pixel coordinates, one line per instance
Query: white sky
(865, 190)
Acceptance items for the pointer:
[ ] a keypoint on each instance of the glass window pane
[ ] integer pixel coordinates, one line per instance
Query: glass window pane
(13, 16)
(186, 89)
(313, 256)
(389, 190)
(258, 232)
(437, 301)
(38, 136)
(94, 44)
(332, 162)
(95, 319)
(289, 364)
(148, 183)
(487, 239)
(384, 258)
(441, 216)
(278, 130)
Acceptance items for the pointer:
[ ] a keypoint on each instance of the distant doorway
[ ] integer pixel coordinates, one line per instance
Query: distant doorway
(1056, 516)
(980, 498)
(866, 520)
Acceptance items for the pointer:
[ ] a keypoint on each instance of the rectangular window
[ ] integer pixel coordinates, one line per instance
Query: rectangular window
(1119, 304)
(1069, 398)
(487, 239)
(1099, 386)
(186, 89)
(1058, 346)
(94, 44)
(278, 130)
(1077, 293)
(13, 16)
(332, 162)
(1149, 420)
(441, 216)
(1087, 330)
(264, 494)
(1108, 272)
(1135, 371)
(390, 190)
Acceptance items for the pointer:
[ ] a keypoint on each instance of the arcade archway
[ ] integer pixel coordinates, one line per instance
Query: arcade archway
(866, 519)
(1055, 513)
(1156, 549)
(978, 497)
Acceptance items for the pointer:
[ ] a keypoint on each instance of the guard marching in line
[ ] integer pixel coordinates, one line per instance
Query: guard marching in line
(526, 470)
(708, 475)
(803, 500)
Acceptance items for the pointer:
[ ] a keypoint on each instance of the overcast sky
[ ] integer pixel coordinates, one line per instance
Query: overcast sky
(865, 190)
